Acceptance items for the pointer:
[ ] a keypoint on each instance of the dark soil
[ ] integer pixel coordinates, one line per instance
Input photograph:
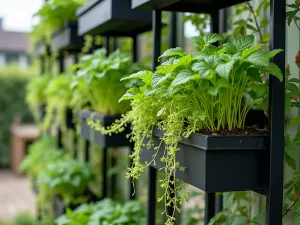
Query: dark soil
(247, 131)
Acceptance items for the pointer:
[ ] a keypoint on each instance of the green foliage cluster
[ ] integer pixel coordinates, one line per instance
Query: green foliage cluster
(98, 81)
(12, 104)
(24, 219)
(58, 94)
(68, 178)
(105, 212)
(52, 15)
(40, 154)
(190, 92)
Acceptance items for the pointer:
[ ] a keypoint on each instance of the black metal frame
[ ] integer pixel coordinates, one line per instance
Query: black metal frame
(274, 187)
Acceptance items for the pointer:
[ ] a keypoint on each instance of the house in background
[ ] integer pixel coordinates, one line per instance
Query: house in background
(13, 47)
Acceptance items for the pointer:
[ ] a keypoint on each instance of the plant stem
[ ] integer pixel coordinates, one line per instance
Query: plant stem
(292, 205)
(256, 22)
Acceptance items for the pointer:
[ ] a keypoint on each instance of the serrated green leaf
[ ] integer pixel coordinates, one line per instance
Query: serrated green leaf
(230, 48)
(258, 59)
(224, 69)
(293, 89)
(197, 40)
(274, 52)
(250, 27)
(172, 52)
(145, 76)
(291, 15)
(253, 74)
(244, 42)
(183, 77)
(249, 51)
(274, 70)
(212, 38)
(159, 78)
(221, 83)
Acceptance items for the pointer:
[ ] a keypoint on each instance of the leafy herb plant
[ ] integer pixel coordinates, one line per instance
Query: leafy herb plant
(98, 79)
(52, 16)
(105, 212)
(191, 92)
(68, 178)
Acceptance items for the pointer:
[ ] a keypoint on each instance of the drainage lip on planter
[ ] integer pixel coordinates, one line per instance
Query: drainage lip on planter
(184, 5)
(115, 140)
(66, 38)
(218, 163)
(112, 18)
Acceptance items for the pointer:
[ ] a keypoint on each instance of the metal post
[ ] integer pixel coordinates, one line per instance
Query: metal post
(209, 207)
(61, 70)
(211, 198)
(115, 43)
(43, 66)
(173, 33)
(156, 32)
(113, 176)
(106, 45)
(87, 151)
(104, 172)
(276, 117)
(134, 49)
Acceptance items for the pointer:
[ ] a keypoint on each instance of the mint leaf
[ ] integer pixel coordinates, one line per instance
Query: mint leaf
(159, 78)
(212, 38)
(274, 52)
(222, 83)
(249, 51)
(145, 76)
(258, 59)
(274, 70)
(244, 42)
(253, 74)
(173, 52)
(183, 77)
(224, 69)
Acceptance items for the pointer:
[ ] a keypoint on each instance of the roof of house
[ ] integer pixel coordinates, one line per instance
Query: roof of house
(13, 41)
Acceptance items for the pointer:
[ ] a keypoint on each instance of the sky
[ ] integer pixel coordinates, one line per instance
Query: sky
(17, 14)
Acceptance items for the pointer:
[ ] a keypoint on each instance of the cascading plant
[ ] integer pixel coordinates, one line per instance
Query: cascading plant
(58, 94)
(206, 91)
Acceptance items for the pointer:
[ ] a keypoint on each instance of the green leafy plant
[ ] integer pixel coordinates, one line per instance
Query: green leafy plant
(36, 96)
(193, 92)
(41, 153)
(24, 219)
(52, 16)
(98, 80)
(105, 212)
(67, 178)
(58, 94)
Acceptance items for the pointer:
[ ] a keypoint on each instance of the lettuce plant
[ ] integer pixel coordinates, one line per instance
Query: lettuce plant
(98, 79)
(105, 212)
(211, 89)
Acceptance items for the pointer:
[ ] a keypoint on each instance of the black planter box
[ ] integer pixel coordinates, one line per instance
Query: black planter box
(66, 38)
(219, 163)
(115, 140)
(113, 18)
(184, 5)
